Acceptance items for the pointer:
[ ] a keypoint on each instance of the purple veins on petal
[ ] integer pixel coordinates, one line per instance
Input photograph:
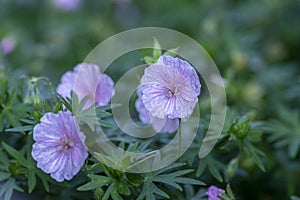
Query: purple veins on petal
(58, 148)
(159, 125)
(170, 88)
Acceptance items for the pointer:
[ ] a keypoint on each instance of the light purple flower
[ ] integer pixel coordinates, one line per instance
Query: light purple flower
(159, 125)
(170, 88)
(214, 193)
(58, 148)
(67, 5)
(87, 80)
(7, 45)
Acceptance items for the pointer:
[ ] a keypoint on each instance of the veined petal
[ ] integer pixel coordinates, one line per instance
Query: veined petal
(61, 153)
(105, 90)
(170, 88)
(156, 101)
(87, 80)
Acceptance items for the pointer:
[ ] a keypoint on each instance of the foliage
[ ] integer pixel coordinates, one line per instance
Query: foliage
(255, 45)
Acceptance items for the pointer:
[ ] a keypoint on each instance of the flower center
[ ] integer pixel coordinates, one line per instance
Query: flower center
(64, 143)
(172, 90)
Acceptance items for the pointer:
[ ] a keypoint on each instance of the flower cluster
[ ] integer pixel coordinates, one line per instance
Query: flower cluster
(58, 147)
(169, 91)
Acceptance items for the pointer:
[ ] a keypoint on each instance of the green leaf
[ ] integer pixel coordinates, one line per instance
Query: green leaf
(57, 107)
(189, 181)
(102, 114)
(172, 52)
(156, 50)
(123, 189)
(229, 191)
(4, 158)
(172, 179)
(4, 176)
(201, 167)
(172, 166)
(36, 115)
(284, 132)
(106, 124)
(66, 102)
(148, 60)
(96, 181)
(43, 177)
(31, 180)
(20, 129)
(215, 172)
(253, 153)
(47, 107)
(108, 192)
(231, 168)
(7, 189)
(149, 190)
(15, 154)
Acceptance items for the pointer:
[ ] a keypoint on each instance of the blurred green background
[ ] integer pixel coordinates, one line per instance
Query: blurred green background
(255, 44)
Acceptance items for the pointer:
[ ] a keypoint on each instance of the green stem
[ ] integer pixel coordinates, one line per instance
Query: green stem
(179, 138)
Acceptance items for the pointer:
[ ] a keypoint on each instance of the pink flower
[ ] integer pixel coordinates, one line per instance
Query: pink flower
(87, 80)
(214, 193)
(170, 88)
(58, 148)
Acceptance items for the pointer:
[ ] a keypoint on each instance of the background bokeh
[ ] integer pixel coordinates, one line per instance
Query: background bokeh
(255, 44)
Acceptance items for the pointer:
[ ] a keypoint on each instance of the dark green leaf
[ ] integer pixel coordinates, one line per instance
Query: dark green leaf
(15, 154)
(96, 181)
(31, 180)
(20, 129)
